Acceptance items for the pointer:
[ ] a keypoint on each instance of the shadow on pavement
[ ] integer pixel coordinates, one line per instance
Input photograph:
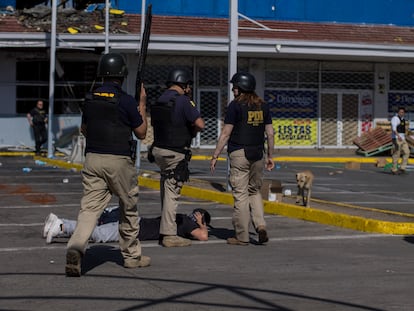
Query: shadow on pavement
(409, 239)
(97, 255)
(221, 233)
(218, 187)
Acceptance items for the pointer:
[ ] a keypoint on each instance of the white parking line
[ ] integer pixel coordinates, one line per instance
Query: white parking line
(38, 206)
(57, 205)
(23, 225)
(377, 203)
(155, 244)
(41, 223)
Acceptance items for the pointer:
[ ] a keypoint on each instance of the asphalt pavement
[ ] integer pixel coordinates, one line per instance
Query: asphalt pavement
(307, 264)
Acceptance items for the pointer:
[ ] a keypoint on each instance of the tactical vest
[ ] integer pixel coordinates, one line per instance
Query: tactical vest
(106, 133)
(39, 117)
(401, 126)
(167, 133)
(249, 131)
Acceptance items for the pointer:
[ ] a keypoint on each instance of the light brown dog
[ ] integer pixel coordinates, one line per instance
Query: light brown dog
(304, 180)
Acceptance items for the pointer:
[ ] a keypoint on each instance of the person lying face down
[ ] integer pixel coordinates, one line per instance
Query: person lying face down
(193, 226)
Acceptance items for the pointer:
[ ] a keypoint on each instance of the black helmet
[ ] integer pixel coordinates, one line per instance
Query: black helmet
(244, 81)
(180, 76)
(112, 65)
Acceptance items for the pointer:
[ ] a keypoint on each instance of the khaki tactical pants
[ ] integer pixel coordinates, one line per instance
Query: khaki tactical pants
(246, 178)
(400, 148)
(170, 189)
(102, 176)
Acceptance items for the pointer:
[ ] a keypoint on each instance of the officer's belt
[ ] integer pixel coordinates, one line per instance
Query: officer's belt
(179, 150)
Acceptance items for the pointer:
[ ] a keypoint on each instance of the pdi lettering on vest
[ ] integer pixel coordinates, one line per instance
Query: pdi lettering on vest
(255, 117)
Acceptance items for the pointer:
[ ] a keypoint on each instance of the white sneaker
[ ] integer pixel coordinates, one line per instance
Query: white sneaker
(48, 223)
(55, 230)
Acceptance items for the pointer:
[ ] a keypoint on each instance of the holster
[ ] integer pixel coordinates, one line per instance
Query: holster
(150, 155)
(181, 172)
(188, 154)
(133, 149)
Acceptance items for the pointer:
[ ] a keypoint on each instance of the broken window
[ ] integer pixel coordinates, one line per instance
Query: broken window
(73, 80)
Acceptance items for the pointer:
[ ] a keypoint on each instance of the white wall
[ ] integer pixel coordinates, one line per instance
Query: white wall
(15, 131)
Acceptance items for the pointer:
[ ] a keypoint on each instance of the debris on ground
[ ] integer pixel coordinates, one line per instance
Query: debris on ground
(70, 20)
(7, 10)
(381, 162)
(373, 142)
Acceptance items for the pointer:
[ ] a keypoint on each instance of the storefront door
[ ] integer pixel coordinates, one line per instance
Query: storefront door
(339, 118)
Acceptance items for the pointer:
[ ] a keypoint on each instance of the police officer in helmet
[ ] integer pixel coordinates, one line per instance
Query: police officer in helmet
(244, 82)
(175, 120)
(110, 115)
(247, 126)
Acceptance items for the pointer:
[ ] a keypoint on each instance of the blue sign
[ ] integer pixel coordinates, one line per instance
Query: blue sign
(292, 104)
(396, 100)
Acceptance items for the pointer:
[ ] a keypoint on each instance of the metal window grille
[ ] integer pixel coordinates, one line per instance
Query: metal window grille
(209, 90)
(337, 91)
(318, 104)
(401, 90)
